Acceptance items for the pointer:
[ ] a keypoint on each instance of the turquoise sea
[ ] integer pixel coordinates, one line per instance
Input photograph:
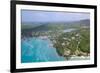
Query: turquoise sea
(38, 50)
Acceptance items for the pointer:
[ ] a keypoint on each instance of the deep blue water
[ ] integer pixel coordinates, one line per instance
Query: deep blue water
(38, 50)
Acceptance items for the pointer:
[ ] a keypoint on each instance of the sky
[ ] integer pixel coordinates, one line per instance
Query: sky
(47, 16)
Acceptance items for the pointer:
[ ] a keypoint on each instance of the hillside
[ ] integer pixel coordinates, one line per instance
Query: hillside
(27, 27)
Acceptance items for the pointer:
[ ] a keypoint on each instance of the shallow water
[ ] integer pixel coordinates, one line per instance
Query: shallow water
(38, 50)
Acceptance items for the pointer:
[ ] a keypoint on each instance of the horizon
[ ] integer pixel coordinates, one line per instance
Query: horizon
(57, 21)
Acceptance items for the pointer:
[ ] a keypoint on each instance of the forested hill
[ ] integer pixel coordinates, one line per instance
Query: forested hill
(41, 26)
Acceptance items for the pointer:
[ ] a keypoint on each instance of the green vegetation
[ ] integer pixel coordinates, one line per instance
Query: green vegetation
(67, 44)
(75, 43)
